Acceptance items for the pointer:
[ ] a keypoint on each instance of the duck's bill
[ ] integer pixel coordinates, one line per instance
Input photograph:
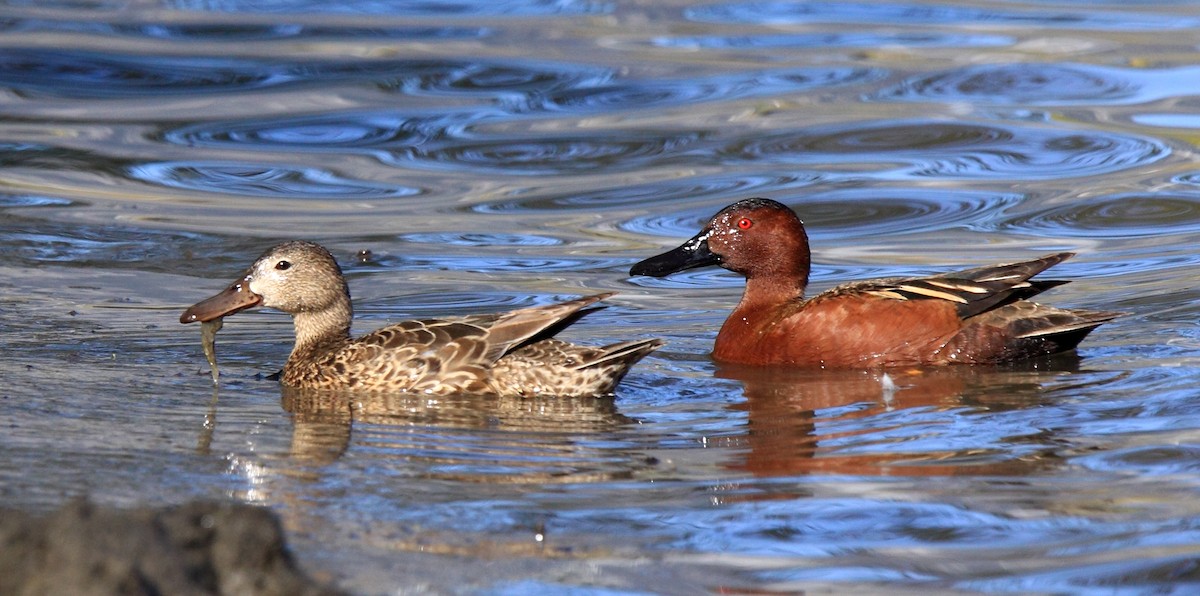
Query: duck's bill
(690, 254)
(237, 297)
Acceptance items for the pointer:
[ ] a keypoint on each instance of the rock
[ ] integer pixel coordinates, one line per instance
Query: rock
(195, 548)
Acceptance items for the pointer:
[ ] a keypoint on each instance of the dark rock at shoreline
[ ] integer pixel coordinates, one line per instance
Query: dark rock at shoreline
(195, 548)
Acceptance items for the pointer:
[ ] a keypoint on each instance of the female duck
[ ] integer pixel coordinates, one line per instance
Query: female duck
(506, 354)
(977, 316)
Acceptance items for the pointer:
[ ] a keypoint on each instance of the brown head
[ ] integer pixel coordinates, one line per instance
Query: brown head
(296, 277)
(759, 238)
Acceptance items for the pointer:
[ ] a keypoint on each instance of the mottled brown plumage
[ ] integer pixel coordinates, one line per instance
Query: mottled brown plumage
(976, 316)
(509, 354)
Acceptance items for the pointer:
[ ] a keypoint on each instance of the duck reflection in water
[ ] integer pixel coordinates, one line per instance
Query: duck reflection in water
(449, 437)
(794, 417)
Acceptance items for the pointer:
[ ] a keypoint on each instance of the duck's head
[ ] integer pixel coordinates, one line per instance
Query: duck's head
(295, 277)
(753, 237)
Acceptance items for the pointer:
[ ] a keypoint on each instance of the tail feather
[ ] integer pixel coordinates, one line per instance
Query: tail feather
(623, 354)
(1028, 329)
(1067, 321)
(555, 367)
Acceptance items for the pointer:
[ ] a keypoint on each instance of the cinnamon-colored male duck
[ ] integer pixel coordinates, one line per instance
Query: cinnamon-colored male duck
(977, 316)
(506, 354)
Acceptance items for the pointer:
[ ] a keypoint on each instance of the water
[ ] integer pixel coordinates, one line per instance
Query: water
(491, 155)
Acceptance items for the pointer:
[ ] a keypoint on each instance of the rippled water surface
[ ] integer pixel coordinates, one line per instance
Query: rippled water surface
(469, 156)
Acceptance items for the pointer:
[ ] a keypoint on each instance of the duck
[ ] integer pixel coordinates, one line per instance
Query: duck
(975, 316)
(507, 354)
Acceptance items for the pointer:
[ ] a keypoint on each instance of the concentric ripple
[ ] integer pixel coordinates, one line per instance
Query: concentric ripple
(340, 132)
(480, 239)
(858, 212)
(915, 39)
(263, 180)
(659, 192)
(926, 15)
(430, 8)
(443, 142)
(1042, 84)
(955, 150)
(673, 93)
(274, 32)
(101, 75)
(241, 32)
(1114, 216)
(614, 151)
(895, 211)
(513, 80)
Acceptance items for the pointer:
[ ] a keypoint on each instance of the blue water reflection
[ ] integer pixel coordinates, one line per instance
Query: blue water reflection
(920, 39)
(915, 13)
(1120, 215)
(441, 8)
(859, 212)
(496, 264)
(923, 149)
(675, 93)
(262, 180)
(339, 132)
(467, 156)
(480, 239)
(242, 32)
(691, 189)
(97, 75)
(1043, 84)
(958, 149)
(552, 154)
(94, 75)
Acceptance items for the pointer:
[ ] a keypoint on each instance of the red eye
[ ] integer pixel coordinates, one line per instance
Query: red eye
(745, 223)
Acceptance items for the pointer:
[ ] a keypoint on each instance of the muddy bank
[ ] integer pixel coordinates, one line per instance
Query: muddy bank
(196, 548)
